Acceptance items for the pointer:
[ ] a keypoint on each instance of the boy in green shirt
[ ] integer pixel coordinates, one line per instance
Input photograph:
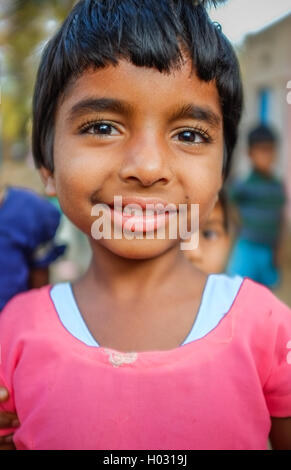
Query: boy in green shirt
(260, 200)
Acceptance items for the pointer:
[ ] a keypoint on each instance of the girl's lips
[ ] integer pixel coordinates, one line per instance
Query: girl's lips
(143, 203)
(139, 223)
(137, 214)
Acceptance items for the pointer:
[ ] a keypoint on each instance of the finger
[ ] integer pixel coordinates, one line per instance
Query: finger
(6, 442)
(8, 420)
(6, 439)
(7, 447)
(4, 395)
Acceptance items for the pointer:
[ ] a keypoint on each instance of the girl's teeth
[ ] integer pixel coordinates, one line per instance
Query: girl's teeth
(135, 211)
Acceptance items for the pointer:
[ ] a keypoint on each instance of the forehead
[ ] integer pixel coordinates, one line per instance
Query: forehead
(143, 88)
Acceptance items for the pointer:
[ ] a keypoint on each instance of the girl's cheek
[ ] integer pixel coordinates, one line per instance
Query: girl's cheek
(206, 205)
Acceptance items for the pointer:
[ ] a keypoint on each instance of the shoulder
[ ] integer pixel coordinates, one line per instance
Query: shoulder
(265, 327)
(279, 188)
(250, 302)
(278, 181)
(236, 185)
(23, 194)
(237, 188)
(260, 315)
(261, 297)
(260, 328)
(30, 201)
(37, 217)
(24, 311)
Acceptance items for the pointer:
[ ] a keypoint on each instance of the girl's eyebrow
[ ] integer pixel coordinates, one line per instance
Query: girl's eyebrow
(199, 113)
(187, 111)
(97, 105)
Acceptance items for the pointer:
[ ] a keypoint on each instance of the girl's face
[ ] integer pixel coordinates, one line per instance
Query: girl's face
(215, 243)
(263, 155)
(137, 133)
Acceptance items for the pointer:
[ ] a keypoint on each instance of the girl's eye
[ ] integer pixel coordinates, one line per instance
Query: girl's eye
(99, 128)
(192, 137)
(210, 234)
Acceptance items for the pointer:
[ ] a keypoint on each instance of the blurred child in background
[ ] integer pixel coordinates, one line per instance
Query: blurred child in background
(260, 200)
(215, 238)
(28, 224)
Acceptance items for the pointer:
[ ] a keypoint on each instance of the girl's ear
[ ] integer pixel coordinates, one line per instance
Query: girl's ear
(48, 181)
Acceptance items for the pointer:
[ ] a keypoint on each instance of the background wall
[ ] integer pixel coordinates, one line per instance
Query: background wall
(265, 59)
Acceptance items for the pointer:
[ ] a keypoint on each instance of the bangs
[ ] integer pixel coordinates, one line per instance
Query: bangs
(148, 33)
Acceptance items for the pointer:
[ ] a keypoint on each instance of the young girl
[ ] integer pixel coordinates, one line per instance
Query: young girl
(142, 100)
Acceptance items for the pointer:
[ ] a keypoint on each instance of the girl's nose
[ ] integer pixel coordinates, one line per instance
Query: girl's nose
(146, 162)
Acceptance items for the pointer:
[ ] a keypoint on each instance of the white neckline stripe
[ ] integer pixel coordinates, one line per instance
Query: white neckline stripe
(218, 296)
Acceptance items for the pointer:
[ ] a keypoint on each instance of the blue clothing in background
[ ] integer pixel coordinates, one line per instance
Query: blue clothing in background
(255, 261)
(28, 224)
(260, 200)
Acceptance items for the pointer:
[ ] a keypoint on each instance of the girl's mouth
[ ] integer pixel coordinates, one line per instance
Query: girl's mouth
(141, 216)
(139, 220)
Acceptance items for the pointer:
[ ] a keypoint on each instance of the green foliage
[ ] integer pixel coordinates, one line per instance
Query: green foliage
(25, 26)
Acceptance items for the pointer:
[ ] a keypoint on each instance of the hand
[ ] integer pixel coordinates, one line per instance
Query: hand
(7, 420)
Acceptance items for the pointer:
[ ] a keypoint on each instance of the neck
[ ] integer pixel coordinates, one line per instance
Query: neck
(265, 174)
(125, 279)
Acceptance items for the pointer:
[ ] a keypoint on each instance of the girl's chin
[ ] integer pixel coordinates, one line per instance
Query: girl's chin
(138, 249)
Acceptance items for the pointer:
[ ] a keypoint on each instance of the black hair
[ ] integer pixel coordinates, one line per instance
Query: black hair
(223, 201)
(149, 33)
(231, 218)
(262, 133)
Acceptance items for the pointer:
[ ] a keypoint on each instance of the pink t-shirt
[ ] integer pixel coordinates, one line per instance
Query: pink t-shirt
(217, 392)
